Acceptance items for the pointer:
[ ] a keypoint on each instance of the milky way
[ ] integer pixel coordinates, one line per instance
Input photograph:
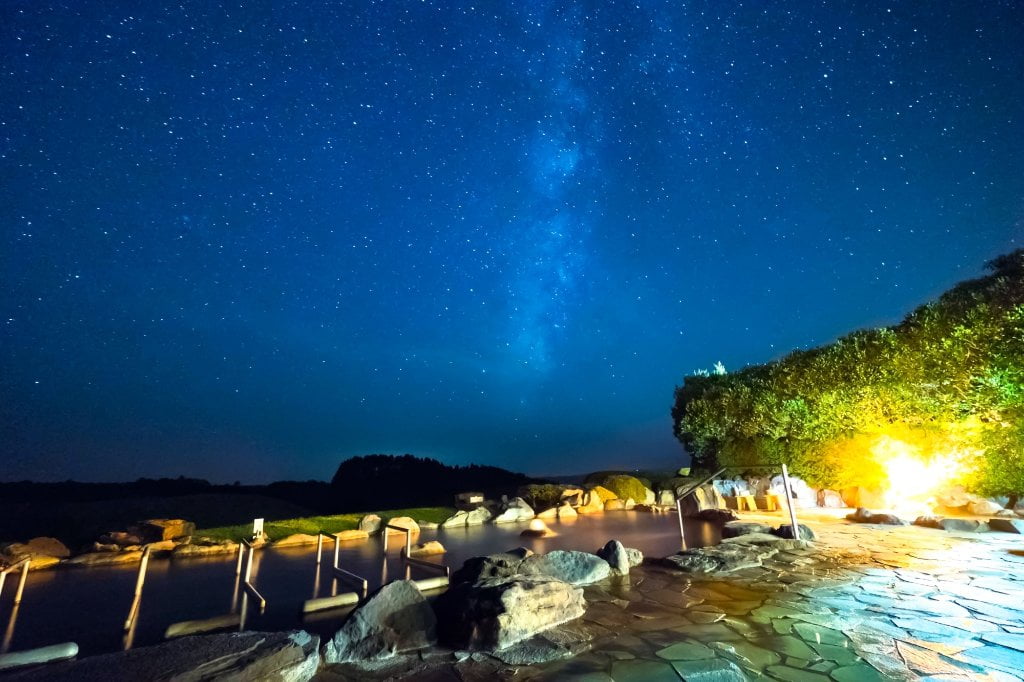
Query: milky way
(244, 241)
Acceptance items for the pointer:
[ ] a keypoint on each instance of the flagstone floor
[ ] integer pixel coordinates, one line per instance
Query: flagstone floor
(865, 603)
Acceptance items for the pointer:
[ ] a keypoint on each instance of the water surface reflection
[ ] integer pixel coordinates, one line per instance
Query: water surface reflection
(89, 606)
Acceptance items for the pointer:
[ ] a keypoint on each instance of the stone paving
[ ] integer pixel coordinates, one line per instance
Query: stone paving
(865, 603)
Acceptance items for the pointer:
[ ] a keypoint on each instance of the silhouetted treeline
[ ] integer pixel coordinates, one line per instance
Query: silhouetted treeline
(388, 481)
(317, 496)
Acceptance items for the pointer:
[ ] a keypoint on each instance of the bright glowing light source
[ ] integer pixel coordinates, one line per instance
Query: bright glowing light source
(913, 477)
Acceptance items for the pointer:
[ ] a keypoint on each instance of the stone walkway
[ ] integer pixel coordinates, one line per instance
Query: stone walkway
(866, 603)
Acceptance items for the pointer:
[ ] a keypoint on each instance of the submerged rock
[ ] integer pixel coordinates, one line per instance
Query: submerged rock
(397, 618)
(962, 525)
(278, 656)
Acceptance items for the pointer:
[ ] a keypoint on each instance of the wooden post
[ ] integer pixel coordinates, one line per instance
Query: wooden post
(789, 501)
(21, 583)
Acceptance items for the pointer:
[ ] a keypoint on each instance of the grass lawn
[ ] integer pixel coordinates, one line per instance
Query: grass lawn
(311, 525)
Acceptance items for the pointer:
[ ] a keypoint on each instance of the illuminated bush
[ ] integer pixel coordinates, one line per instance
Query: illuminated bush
(949, 378)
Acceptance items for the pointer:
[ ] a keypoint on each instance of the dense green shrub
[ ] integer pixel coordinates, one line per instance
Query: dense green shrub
(626, 487)
(542, 496)
(950, 376)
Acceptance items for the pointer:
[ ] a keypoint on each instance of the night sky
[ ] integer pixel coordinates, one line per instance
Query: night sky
(248, 240)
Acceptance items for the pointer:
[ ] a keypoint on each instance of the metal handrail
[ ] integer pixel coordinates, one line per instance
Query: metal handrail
(24, 563)
(247, 578)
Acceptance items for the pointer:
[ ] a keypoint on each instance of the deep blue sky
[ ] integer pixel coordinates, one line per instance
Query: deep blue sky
(247, 240)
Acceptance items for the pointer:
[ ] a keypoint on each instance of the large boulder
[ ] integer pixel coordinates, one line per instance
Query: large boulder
(615, 554)
(203, 547)
(157, 530)
(723, 558)
(830, 499)
(573, 496)
(43, 552)
(105, 558)
(704, 497)
(592, 503)
(576, 568)
(427, 549)
(395, 619)
(734, 529)
(785, 531)
(983, 507)
(862, 515)
(402, 522)
(496, 613)
(953, 497)
(352, 534)
(296, 540)
(666, 497)
(515, 510)
(803, 494)
(567, 512)
(461, 519)
(370, 523)
(615, 505)
(272, 656)
(1007, 525)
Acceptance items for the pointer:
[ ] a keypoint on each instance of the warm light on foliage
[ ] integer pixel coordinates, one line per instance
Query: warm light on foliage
(914, 477)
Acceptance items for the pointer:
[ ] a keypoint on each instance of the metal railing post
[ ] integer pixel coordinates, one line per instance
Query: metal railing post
(319, 547)
(241, 553)
(21, 583)
(140, 580)
(789, 501)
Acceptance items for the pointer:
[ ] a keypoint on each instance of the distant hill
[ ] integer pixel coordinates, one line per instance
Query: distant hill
(381, 481)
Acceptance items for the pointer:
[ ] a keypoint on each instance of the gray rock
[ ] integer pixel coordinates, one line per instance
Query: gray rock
(863, 515)
(461, 519)
(615, 554)
(734, 529)
(496, 613)
(1007, 525)
(397, 618)
(982, 507)
(709, 670)
(721, 558)
(830, 499)
(575, 568)
(515, 509)
(953, 497)
(961, 525)
(370, 523)
(273, 656)
(156, 530)
(720, 516)
(635, 556)
(666, 497)
(785, 531)
(929, 521)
